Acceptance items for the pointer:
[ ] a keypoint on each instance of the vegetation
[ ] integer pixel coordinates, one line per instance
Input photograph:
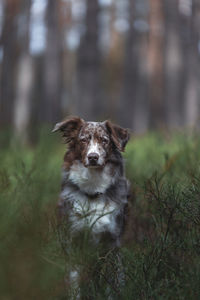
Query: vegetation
(161, 247)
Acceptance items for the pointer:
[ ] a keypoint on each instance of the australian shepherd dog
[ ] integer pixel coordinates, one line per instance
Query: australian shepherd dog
(94, 188)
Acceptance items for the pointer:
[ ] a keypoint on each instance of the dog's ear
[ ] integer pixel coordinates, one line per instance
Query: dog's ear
(70, 128)
(119, 135)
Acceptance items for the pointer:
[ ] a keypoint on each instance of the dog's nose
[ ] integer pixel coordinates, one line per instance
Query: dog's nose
(93, 157)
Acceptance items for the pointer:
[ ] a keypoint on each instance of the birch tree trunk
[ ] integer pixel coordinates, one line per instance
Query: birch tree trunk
(24, 82)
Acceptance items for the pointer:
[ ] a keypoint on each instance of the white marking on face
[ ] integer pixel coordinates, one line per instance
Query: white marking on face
(93, 147)
(94, 140)
(93, 123)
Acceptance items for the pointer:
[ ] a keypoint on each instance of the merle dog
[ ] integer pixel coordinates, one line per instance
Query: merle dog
(94, 187)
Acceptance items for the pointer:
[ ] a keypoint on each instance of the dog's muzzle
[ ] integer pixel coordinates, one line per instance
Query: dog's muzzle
(93, 159)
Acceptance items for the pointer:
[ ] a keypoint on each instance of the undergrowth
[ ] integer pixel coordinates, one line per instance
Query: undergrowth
(160, 253)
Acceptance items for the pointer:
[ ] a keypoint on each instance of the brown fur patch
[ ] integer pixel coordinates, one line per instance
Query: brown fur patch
(119, 135)
(70, 128)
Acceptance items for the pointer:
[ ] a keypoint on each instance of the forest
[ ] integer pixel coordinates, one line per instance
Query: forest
(136, 63)
(133, 61)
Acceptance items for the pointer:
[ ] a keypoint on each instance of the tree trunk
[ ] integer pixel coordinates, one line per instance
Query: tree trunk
(88, 97)
(24, 83)
(130, 72)
(10, 55)
(192, 88)
(22, 111)
(134, 102)
(173, 65)
(157, 114)
(51, 106)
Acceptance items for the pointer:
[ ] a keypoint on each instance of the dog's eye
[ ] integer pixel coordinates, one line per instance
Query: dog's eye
(104, 140)
(83, 140)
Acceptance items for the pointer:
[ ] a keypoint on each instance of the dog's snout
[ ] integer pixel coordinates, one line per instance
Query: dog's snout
(93, 157)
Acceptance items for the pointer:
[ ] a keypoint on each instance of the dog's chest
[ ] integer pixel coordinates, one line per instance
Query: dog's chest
(96, 215)
(90, 181)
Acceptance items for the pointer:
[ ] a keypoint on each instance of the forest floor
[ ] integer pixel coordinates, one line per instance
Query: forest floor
(160, 252)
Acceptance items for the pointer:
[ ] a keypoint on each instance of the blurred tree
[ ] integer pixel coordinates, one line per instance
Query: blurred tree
(134, 103)
(113, 66)
(192, 62)
(130, 71)
(24, 81)
(156, 51)
(50, 109)
(10, 50)
(173, 65)
(88, 97)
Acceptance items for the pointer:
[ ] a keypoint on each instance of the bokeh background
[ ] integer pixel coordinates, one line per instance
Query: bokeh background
(135, 62)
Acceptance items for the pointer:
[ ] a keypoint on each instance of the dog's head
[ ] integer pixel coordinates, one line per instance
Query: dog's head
(93, 141)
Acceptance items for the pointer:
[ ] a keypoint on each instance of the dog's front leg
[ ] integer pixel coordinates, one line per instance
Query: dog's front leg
(73, 283)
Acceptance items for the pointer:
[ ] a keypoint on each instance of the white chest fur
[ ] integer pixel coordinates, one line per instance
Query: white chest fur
(95, 215)
(91, 180)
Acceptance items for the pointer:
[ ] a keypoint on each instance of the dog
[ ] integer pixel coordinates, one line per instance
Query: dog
(94, 188)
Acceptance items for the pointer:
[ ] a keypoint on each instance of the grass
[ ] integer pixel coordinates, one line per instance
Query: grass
(160, 252)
